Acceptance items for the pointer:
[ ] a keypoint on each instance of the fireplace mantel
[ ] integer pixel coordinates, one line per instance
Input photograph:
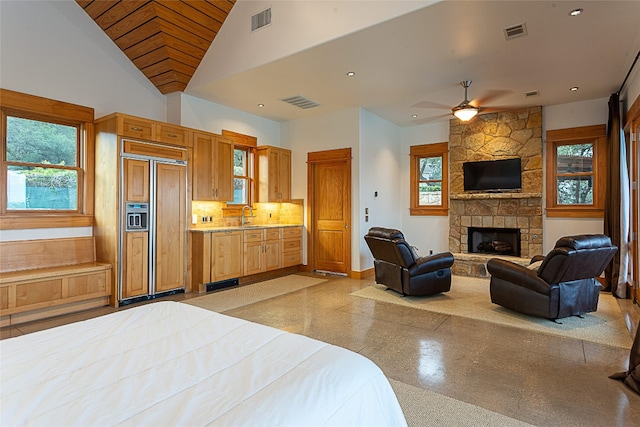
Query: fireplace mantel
(507, 195)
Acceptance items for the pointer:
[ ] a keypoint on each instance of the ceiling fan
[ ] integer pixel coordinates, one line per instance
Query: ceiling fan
(466, 110)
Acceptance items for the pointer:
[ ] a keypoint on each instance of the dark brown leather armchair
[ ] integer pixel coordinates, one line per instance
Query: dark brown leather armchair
(399, 267)
(563, 285)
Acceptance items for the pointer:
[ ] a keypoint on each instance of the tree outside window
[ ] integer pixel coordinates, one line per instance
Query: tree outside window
(42, 165)
(242, 175)
(429, 179)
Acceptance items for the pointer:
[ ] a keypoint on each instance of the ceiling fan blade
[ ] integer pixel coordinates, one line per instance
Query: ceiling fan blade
(424, 120)
(429, 104)
(490, 96)
(494, 109)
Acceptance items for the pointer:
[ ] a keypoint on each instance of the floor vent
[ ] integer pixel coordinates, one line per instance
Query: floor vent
(301, 102)
(261, 19)
(223, 284)
(515, 31)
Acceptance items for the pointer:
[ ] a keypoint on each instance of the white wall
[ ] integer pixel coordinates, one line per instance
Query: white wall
(380, 172)
(53, 49)
(329, 132)
(424, 232)
(584, 113)
(200, 114)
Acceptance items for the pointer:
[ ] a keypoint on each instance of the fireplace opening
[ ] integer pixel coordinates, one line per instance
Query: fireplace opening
(500, 241)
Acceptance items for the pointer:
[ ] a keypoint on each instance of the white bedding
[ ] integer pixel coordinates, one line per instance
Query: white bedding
(169, 364)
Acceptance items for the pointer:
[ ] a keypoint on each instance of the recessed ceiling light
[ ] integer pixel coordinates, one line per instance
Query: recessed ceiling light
(575, 88)
(260, 105)
(575, 12)
(414, 116)
(351, 73)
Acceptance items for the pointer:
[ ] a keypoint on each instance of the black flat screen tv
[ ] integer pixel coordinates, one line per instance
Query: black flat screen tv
(492, 175)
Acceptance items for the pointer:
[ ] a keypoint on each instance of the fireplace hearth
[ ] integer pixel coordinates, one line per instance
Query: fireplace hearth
(499, 241)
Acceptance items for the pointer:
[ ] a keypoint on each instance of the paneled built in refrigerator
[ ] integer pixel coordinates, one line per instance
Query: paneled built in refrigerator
(153, 210)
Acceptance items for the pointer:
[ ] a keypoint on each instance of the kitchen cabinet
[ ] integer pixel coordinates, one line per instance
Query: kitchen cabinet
(291, 246)
(262, 250)
(150, 130)
(274, 174)
(213, 167)
(226, 255)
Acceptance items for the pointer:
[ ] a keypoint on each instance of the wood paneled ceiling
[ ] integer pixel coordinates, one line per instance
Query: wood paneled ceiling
(165, 39)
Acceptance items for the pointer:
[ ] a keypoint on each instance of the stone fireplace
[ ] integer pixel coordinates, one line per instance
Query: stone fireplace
(488, 137)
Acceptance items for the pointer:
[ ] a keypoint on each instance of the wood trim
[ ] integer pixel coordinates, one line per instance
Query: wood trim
(429, 150)
(18, 222)
(48, 107)
(329, 155)
(596, 134)
(633, 114)
(365, 274)
(240, 138)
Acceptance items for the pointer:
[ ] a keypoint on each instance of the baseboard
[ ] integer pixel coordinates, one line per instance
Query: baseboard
(365, 274)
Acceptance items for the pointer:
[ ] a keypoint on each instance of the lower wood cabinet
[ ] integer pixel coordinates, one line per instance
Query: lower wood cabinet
(228, 254)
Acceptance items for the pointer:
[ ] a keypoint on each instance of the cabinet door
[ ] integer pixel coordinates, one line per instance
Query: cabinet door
(253, 258)
(272, 254)
(284, 176)
(171, 226)
(135, 280)
(203, 154)
(224, 169)
(136, 174)
(226, 255)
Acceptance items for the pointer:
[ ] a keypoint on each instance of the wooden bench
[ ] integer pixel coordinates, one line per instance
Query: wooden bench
(48, 277)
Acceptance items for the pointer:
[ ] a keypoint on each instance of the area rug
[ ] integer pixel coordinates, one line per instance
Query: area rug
(229, 299)
(426, 408)
(469, 297)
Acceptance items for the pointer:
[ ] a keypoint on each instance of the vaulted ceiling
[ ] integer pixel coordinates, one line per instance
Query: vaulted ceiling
(165, 39)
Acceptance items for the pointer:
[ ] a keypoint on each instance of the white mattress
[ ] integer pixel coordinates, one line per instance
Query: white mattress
(170, 364)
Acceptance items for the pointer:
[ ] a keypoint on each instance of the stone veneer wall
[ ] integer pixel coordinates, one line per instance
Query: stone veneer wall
(489, 137)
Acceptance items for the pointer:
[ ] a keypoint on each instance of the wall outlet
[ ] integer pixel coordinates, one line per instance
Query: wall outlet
(204, 219)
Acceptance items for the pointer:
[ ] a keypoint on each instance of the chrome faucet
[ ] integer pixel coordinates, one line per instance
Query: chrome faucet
(242, 214)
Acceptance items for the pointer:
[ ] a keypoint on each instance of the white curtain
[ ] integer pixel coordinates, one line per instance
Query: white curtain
(625, 229)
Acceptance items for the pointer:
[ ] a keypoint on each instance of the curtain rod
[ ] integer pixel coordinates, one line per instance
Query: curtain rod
(629, 73)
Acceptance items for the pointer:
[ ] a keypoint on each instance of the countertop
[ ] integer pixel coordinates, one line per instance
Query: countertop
(240, 228)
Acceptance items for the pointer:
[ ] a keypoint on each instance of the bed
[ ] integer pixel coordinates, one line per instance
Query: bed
(169, 363)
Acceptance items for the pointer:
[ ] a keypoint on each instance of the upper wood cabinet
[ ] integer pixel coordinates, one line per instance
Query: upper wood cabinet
(150, 130)
(274, 174)
(213, 167)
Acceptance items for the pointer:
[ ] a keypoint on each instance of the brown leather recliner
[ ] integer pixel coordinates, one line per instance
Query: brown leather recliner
(399, 267)
(563, 285)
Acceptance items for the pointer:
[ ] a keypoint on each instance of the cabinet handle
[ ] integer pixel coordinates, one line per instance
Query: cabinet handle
(136, 128)
(172, 135)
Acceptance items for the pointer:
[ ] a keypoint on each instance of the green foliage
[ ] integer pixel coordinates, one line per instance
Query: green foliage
(32, 141)
(51, 178)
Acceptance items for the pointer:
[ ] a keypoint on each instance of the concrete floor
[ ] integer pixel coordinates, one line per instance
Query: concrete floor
(536, 378)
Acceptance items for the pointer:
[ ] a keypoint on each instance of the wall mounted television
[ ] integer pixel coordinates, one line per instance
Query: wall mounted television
(492, 175)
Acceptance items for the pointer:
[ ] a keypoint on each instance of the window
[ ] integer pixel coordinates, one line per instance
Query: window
(47, 161)
(576, 172)
(42, 165)
(429, 179)
(242, 175)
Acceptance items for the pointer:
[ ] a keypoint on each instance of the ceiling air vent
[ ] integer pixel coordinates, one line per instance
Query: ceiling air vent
(531, 93)
(261, 19)
(301, 102)
(515, 31)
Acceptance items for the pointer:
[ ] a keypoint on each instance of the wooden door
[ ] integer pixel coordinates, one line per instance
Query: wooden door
(224, 169)
(203, 154)
(253, 260)
(284, 175)
(171, 212)
(272, 254)
(330, 210)
(136, 174)
(226, 255)
(135, 264)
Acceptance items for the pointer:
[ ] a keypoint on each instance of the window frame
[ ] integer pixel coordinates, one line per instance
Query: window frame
(251, 154)
(31, 107)
(595, 135)
(417, 152)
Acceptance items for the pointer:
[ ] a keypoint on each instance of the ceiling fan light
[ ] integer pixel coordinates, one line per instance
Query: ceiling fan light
(465, 113)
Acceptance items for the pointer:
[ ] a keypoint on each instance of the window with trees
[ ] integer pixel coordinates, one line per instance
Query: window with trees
(46, 165)
(242, 175)
(576, 162)
(429, 179)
